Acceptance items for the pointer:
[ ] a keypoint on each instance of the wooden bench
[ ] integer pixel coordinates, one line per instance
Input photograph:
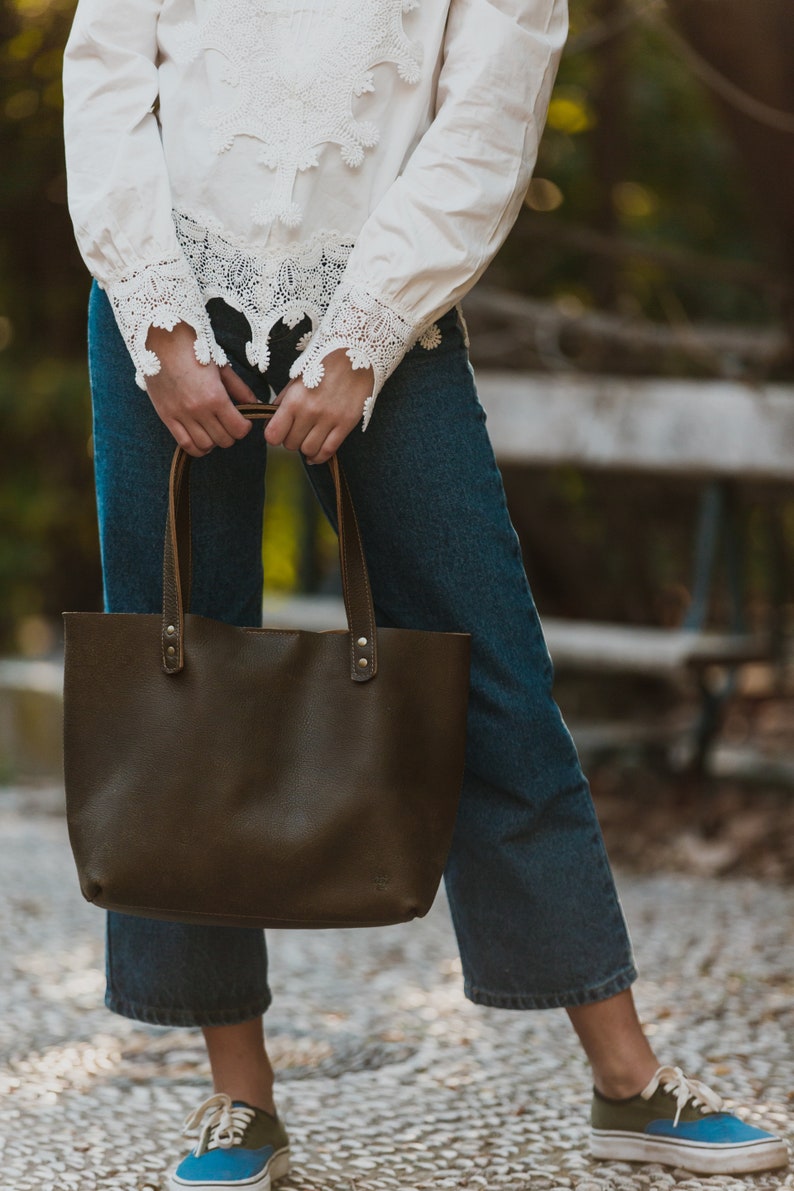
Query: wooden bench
(721, 434)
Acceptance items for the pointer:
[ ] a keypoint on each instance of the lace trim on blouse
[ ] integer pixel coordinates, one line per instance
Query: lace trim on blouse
(266, 287)
(161, 295)
(374, 335)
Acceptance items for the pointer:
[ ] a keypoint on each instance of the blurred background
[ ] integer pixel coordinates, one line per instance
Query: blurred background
(656, 246)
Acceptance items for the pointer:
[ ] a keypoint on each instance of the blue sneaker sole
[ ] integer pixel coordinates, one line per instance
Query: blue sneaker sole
(276, 1169)
(701, 1158)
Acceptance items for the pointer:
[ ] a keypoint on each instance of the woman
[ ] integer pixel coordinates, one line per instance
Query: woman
(290, 197)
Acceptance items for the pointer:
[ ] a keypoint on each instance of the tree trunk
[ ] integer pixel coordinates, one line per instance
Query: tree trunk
(752, 45)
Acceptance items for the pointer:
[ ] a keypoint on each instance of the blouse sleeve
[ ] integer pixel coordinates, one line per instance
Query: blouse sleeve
(119, 193)
(443, 219)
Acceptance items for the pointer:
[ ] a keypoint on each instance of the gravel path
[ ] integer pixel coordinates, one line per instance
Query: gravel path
(408, 1086)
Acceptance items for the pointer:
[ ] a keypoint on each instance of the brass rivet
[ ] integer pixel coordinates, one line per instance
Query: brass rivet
(363, 662)
(362, 641)
(170, 630)
(171, 651)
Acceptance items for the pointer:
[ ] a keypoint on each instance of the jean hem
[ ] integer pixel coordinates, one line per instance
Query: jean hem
(156, 1016)
(562, 1000)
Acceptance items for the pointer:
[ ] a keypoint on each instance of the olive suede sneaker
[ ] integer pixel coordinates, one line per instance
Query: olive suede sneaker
(238, 1147)
(680, 1122)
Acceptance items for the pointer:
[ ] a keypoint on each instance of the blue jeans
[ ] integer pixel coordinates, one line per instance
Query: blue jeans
(536, 914)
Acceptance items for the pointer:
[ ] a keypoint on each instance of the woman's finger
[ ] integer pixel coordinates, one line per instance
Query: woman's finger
(329, 447)
(224, 409)
(313, 441)
(185, 439)
(199, 436)
(303, 426)
(233, 423)
(236, 387)
(219, 434)
(279, 426)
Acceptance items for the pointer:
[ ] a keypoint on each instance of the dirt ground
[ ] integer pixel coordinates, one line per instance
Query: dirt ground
(655, 820)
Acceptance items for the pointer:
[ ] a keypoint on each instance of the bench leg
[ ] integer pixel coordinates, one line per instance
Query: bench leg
(713, 701)
(719, 525)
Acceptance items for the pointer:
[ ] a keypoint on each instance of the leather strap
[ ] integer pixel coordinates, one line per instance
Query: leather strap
(177, 565)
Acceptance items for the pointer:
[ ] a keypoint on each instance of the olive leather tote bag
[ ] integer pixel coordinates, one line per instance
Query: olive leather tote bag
(261, 777)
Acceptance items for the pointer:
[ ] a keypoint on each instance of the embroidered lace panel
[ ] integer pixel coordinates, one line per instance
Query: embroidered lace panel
(294, 68)
(268, 286)
(161, 295)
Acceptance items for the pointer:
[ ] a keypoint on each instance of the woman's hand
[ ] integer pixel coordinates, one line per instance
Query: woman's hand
(192, 399)
(317, 421)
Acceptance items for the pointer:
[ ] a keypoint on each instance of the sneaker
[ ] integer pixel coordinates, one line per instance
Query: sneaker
(679, 1122)
(238, 1146)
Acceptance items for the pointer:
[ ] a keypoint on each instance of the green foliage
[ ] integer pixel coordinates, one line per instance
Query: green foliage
(299, 547)
(43, 284)
(48, 542)
(678, 184)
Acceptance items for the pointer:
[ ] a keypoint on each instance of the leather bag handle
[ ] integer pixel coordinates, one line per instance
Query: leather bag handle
(177, 565)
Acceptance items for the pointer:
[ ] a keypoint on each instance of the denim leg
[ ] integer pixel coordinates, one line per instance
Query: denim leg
(533, 901)
(168, 973)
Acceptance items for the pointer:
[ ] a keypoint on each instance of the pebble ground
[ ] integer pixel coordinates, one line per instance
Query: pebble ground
(388, 1078)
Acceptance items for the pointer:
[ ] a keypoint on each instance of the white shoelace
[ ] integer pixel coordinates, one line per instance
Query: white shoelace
(224, 1126)
(686, 1091)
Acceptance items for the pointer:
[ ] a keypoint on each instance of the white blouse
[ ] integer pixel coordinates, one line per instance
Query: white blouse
(359, 161)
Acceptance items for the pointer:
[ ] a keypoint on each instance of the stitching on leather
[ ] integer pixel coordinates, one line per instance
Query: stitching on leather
(365, 571)
(178, 469)
(180, 611)
(337, 475)
(168, 529)
(186, 497)
(163, 618)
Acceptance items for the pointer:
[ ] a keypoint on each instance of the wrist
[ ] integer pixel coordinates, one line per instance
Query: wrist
(161, 339)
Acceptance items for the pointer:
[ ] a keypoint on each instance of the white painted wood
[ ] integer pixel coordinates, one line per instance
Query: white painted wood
(683, 427)
(644, 649)
(45, 677)
(314, 612)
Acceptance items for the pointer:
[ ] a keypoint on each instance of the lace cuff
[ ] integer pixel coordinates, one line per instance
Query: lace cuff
(161, 295)
(374, 335)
